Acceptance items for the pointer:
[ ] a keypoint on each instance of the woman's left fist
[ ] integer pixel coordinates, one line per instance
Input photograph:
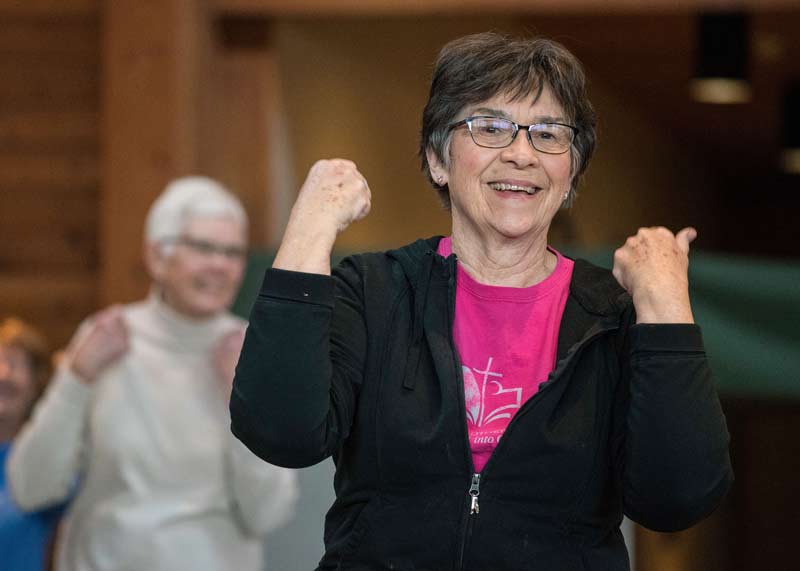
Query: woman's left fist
(653, 266)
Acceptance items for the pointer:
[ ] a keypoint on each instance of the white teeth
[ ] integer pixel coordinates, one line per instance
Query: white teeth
(513, 187)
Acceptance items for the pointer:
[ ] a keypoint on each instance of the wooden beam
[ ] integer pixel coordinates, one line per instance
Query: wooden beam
(318, 8)
(49, 130)
(48, 8)
(153, 61)
(239, 102)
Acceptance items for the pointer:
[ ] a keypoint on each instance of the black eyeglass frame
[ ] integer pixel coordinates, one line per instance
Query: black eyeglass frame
(517, 127)
(207, 247)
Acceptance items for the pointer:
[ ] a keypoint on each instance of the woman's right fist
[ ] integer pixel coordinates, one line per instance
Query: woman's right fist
(333, 196)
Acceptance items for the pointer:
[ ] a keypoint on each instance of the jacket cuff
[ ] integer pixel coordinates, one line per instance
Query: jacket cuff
(298, 286)
(669, 337)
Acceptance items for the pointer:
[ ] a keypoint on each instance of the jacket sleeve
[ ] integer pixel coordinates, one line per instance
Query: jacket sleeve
(48, 454)
(264, 496)
(676, 463)
(296, 384)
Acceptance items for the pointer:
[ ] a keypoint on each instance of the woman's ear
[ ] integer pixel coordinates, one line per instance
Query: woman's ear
(439, 173)
(154, 260)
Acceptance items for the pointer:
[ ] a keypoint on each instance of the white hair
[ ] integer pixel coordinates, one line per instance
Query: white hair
(187, 198)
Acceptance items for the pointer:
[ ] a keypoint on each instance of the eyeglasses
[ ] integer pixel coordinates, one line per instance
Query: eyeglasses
(496, 133)
(207, 248)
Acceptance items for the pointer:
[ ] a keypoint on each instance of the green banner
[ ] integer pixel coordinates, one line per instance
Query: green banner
(749, 310)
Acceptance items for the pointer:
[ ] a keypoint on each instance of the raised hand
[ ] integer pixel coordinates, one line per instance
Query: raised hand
(92, 351)
(224, 357)
(334, 195)
(653, 266)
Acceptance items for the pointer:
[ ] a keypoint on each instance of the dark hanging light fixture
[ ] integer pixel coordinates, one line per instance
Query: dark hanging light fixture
(790, 155)
(721, 74)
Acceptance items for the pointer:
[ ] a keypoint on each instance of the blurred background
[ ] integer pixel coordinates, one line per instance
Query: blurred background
(103, 102)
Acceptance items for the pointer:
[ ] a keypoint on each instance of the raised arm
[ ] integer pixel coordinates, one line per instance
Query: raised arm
(48, 454)
(294, 393)
(675, 462)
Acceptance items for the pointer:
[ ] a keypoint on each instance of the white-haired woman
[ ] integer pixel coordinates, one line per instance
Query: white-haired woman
(136, 415)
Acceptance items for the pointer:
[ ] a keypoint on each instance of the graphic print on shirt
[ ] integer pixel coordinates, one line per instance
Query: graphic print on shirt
(476, 396)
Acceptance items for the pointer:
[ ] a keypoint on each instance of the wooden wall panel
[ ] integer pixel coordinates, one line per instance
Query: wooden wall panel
(56, 302)
(152, 66)
(48, 8)
(49, 162)
(50, 130)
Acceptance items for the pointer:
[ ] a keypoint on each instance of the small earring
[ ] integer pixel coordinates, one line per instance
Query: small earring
(566, 194)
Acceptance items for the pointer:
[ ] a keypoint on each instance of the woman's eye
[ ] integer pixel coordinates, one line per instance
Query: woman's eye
(493, 127)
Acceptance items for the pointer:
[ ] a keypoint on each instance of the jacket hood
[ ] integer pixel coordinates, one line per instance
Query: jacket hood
(593, 287)
(417, 260)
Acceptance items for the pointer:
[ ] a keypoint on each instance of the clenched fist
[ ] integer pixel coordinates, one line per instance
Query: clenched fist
(95, 349)
(334, 195)
(653, 266)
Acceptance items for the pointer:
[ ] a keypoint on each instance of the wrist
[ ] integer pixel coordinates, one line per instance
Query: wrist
(672, 310)
(306, 247)
(84, 375)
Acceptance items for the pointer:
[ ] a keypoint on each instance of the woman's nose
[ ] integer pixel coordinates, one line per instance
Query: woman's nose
(521, 151)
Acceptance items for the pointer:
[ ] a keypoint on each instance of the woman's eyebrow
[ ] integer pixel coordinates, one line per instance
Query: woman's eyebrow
(493, 112)
(503, 115)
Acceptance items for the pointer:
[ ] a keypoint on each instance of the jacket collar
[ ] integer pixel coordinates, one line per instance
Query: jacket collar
(594, 288)
(596, 301)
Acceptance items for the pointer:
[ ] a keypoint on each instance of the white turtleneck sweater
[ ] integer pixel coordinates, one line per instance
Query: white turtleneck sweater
(162, 485)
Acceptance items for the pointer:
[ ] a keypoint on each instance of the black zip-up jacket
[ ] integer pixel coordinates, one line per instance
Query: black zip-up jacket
(361, 365)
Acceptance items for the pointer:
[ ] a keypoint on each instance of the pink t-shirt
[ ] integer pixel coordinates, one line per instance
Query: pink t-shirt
(507, 339)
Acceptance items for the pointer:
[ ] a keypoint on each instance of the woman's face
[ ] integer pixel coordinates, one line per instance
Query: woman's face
(17, 384)
(508, 193)
(201, 276)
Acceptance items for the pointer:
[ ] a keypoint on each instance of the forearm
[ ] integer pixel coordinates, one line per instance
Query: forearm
(677, 467)
(306, 246)
(46, 458)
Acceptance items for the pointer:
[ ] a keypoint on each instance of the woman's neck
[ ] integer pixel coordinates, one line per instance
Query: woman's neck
(503, 261)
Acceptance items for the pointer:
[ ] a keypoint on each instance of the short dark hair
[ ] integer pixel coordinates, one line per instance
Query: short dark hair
(475, 68)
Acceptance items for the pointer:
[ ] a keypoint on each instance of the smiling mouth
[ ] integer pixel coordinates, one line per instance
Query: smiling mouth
(501, 186)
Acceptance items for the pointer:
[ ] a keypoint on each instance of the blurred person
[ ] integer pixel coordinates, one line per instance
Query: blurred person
(25, 538)
(490, 404)
(137, 412)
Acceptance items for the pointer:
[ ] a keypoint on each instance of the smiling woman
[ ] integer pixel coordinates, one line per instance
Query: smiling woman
(134, 427)
(489, 402)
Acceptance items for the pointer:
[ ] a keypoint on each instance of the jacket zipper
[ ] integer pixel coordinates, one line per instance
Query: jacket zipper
(474, 492)
(474, 509)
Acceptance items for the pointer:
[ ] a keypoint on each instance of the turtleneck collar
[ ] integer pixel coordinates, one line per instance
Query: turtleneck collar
(165, 325)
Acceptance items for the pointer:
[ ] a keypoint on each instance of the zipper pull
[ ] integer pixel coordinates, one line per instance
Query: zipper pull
(474, 491)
